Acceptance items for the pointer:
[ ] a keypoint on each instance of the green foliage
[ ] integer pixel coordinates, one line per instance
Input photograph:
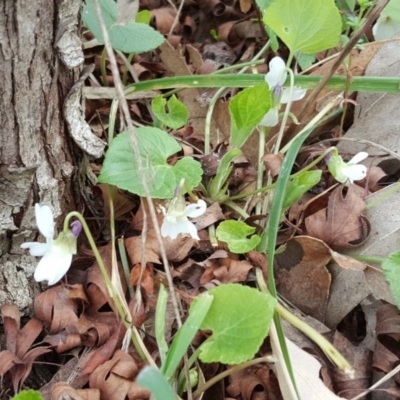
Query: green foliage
(239, 319)
(130, 38)
(121, 168)
(305, 60)
(392, 10)
(305, 26)
(28, 395)
(247, 109)
(235, 233)
(391, 270)
(183, 339)
(299, 185)
(174, 116)
(152, 379)
(143, 17)
(161, 310)
(216, 189)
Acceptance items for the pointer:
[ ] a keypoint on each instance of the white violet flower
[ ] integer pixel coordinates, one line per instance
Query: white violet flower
(276, 78)
(386, 27)
(349, 172)
(176, 218)
(56, 254)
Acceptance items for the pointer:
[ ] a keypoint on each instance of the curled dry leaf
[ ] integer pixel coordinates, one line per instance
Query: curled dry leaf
(18, 358)
(56, 309)
(341, 224)
(386, 355)
(249, 384)
(61, 390)
(115, 379)
(163, 18)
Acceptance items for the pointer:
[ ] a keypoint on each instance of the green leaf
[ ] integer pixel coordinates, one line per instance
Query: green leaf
(239, 319)
(223, 172)
(235, 233)
(186, 333)
(177, 114)
(120, 167)
(28, 395)
(130, 38)
(391, 270)
(305, 60)
(247, 109)
(161, 310)
(305, 26)
(152, 379)
(299, 185)
(392, 10)
(143, 17)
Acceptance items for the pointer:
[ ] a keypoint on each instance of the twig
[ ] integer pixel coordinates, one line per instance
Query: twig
(135, 145)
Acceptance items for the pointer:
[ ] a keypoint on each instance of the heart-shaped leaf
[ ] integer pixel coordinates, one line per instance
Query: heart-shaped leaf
(239, 319)
(132, 37)
(121, 167)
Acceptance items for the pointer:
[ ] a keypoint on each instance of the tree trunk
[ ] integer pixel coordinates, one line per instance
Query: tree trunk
(35, 149)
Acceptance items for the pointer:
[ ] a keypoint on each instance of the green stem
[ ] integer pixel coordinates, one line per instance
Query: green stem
(103, 68)
(317, 338)
(272, 185)
(286, 113)
(103, 269)
(207, 128)
(236, 208)
(260, 169)
(369, 259)
(126, 69)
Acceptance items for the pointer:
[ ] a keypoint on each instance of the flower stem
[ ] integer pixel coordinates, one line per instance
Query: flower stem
(103, 269)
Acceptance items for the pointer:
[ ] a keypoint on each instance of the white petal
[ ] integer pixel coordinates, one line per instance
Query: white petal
(169, 229)
(362, 155)
(195, 210)
(271, 118)
(297, 94)
(35, 248)
(44, 221)
(53, 266)
(385, 28)
(192, 230)
(356, 172)
(277, 73)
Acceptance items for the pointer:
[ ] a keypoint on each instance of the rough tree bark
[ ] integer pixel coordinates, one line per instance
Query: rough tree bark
(36, 162)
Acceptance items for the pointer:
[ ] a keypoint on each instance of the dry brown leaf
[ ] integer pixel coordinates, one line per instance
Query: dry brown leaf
(122, 203)
(90, 361)
(61, 390)
(245, 5)
(176, 249)
(115, 379)
(56, 308)
(175, 65)
(359, 358)
(18, 359)
(302, 276)
(163, 18)
(273, 163)
(147, 280)
(348, 262)
(341, 224)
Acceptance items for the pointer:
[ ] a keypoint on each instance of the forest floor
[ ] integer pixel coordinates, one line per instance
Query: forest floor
(333, 236)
